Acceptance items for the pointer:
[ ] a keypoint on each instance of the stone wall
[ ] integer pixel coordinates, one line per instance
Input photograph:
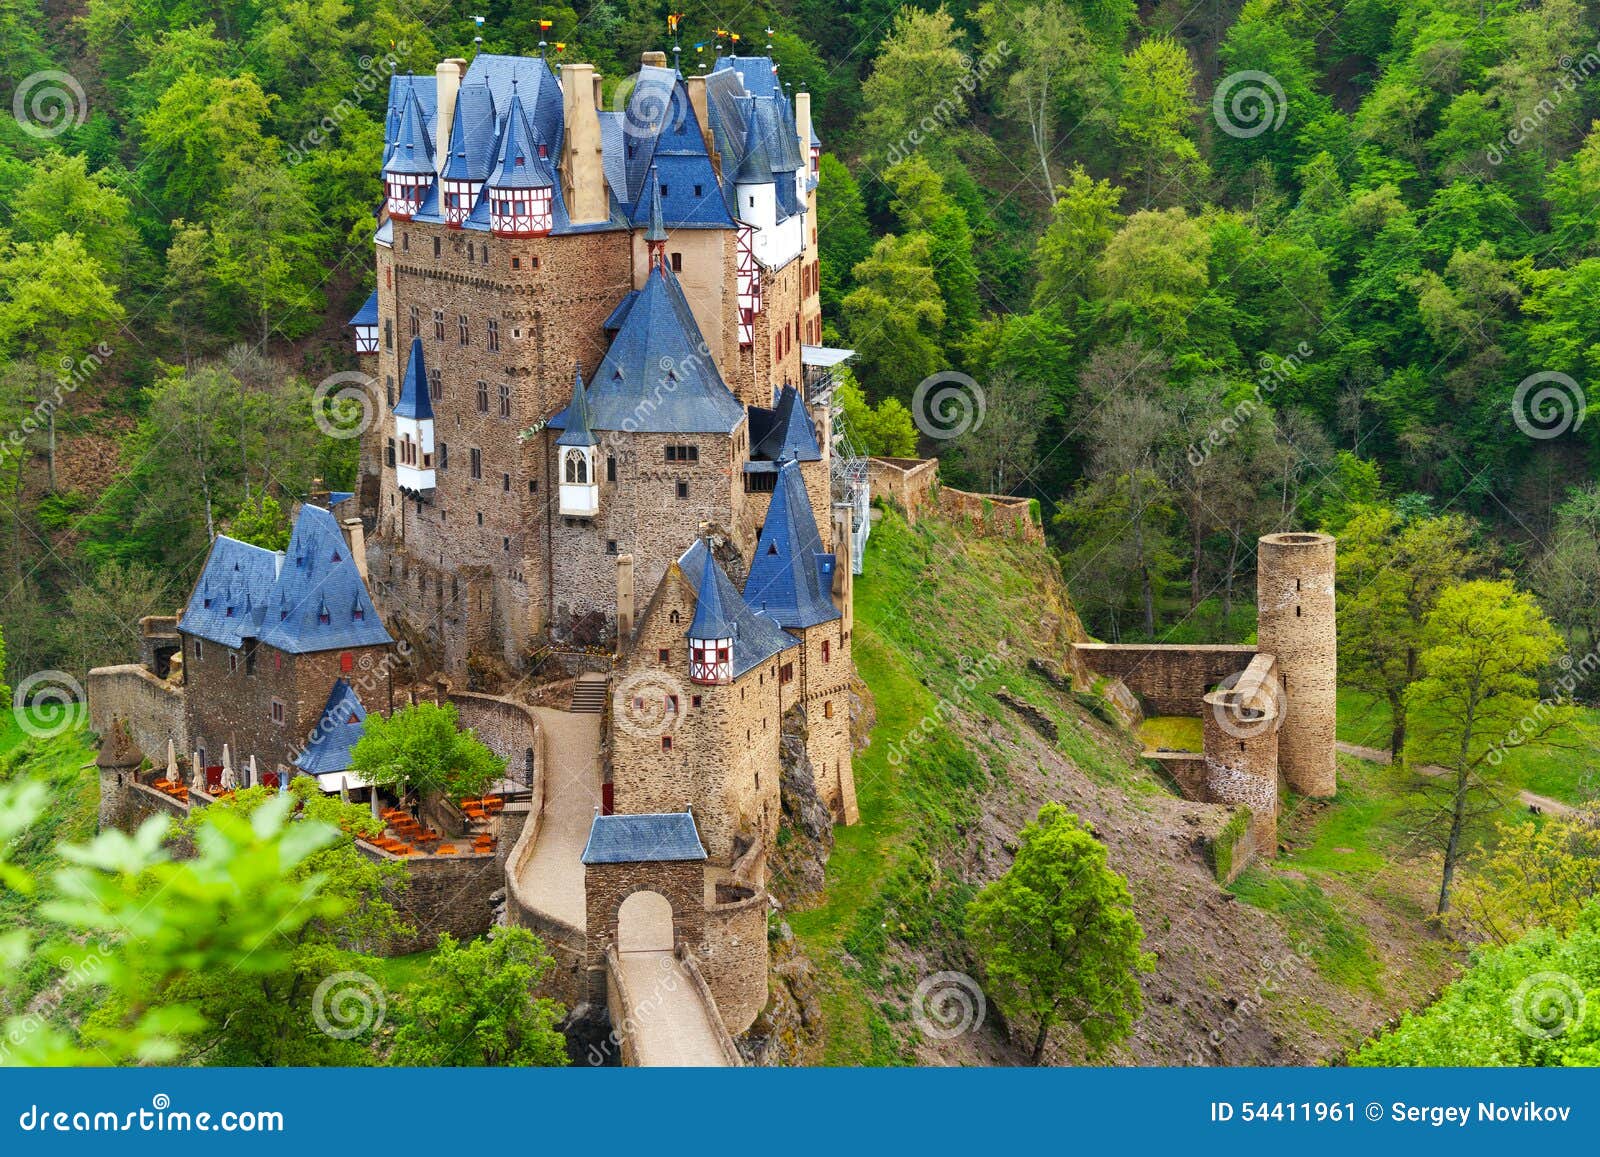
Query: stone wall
(152, 708)
(606, 886)
(997, 515)
(734, 961)
(125, 803)
(909, 482)
(446, 894)
(1168, 680)
(510, 730)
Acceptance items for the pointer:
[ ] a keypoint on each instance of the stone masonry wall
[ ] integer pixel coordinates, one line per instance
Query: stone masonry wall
(152, 708)
(734, 961)
(909, 482)
(1169, 680)
(446, 894)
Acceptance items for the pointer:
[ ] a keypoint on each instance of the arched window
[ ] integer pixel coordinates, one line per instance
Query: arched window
(577, 468)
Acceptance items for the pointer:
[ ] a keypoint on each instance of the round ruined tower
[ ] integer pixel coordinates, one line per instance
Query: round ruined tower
(1295, 623)
(1241, 732)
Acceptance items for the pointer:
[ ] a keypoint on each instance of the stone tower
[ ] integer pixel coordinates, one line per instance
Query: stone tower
(1295, 623)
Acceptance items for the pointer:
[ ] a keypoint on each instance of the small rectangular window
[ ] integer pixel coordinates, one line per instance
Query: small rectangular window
(664, 655)
(436, 246)
(492, 327)
(388, 453)
(416, 322)
(666, 743)
(611, 469)
(683, 490)
(461, 327)
(505, 483)
(483, 397)
(677, 263)
(611, 546)
(505, 401)
(438, 325)
(277, 711)
(476, 457)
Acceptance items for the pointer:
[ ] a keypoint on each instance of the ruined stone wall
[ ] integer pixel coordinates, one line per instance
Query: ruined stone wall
(1296, 623)
(234, 706)
(125, 803)
(991, 514)
(509, 729)
(1169, 680)
(152, 708)
(446, 894)
(1241, 760)
(909, 482)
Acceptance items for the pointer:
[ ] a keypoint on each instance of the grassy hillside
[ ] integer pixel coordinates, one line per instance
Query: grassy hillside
(1297, 962)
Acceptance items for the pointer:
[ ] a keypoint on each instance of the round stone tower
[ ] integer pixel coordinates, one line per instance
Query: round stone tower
(1295, 623)
(1241, 733)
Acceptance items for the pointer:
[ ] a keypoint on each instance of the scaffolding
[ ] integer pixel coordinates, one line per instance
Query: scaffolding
(847, 468)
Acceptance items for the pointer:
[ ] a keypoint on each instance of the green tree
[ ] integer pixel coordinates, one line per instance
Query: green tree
(475, 1005)
(1390, 574)
(1157, 108)
(199, 136)
(1083, 221)
(1483, 644)
(886, 429)
(920, 62)
(102, 624)
(922, 205)
(1533, 875)
(1058, 938)
(895, 314)
(261, 522)
(844, 238)
(62, 196)
(423, 748)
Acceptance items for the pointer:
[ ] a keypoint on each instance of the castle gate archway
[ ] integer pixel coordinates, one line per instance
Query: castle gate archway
(644, 923)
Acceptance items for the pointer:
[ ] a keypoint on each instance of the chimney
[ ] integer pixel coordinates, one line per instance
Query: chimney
(277, 563)
(802, 125)
(697, 101)
(447, 77)
(355, 537)
(583, 180)
(653, 60)
(624, 600)
(822, 419)
(843, 575)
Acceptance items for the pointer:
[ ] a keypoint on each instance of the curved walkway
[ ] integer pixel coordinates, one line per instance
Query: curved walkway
(671, 1026)
(1541, 803)
(552, 877)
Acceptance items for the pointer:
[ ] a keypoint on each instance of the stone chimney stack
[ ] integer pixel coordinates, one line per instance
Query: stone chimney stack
(447, 76)
(697, 101)
(843, 575)
(653, 59)
(583, 180)
(355, 537)
(624, 600)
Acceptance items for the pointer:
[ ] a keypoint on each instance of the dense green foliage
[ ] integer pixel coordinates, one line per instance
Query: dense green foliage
(421, 749)
(1058, 938)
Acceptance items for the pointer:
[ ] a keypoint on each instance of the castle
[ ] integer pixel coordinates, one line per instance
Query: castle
(602, 460)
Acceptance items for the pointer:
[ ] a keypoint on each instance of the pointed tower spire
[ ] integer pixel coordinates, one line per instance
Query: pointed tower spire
(578, 431)
(656, 235)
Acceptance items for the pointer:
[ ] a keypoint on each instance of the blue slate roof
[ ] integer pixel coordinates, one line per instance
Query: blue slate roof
(401, 89)
(337, 496)
(755, 167)
(755, 73)
(368, 313)
(656, 378)
(339, 728)
(658, 227)
(784, 431)
(309, 598)
(620, 314)
(756, 637)
(414, 401)
(413, 144)
(472, 135)
(577, 431)
(532, 80)
(520, 165)
(711, 619)
(658, 130)
(643, 839)
(791, 576)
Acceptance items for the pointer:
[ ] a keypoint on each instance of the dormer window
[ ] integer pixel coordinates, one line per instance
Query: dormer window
(324, 618)
(459, 197)
(404, 193)
(520, 212)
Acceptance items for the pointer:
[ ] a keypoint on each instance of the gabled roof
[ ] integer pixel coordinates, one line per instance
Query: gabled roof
(338, 729)
(756, 637)
(577, 432)
(413, 144)
(784, 431)
(401, 89)
(414, 401)
(519, 164)
(640, 839)
(368, 314)
(472, 135)
(309, 598)
(755, 167)
(755, 73)
(791, 577)
(656, 377)
(532, 79)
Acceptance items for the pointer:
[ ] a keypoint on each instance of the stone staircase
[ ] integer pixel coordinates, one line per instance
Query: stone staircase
(589, 694)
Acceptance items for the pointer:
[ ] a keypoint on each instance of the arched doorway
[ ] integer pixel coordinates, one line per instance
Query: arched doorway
(644, 923)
